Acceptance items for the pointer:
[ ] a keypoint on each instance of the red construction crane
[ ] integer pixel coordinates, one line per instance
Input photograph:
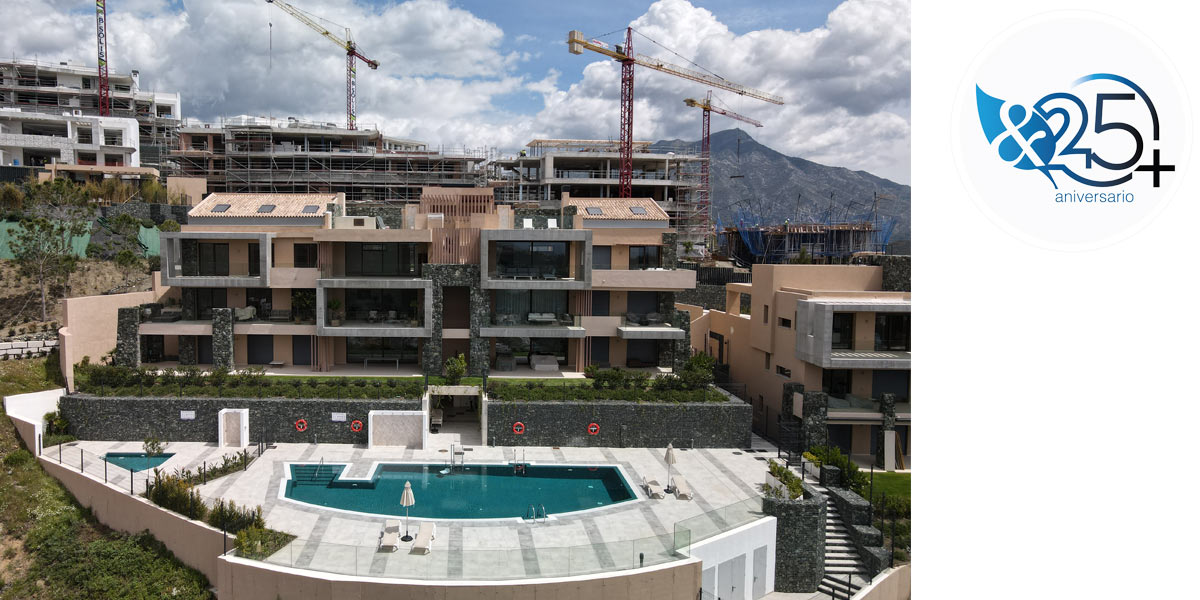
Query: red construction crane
(705, 144)
(102, 56)
(347, 44)
(576, 44)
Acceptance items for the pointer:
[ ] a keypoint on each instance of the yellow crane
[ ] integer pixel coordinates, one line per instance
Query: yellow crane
(347, 44)
(705, 195)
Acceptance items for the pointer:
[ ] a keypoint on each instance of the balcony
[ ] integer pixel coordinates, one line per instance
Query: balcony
(870, 359)
(534, 325)
(374, 307)
(215, 259)
(652, 326)
(536, 259)
(643, 279)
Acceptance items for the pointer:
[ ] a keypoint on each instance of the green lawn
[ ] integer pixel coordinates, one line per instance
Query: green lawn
(29, 375)
(892, 484)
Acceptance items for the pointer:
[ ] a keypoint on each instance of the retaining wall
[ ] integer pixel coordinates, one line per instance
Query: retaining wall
(800, 542)
(856, 515)
(622, 424)
(134, 419)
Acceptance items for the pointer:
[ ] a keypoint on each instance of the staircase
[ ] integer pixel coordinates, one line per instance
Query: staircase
(845, 573)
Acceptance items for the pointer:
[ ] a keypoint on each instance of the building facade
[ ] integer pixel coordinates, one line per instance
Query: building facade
(829, 328)
(41, 139)
(299, 282)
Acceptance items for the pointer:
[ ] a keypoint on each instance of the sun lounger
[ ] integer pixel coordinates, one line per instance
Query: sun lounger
(682, 490)
(435, 420)
(389, 538)
(424, 542)
(653, 489)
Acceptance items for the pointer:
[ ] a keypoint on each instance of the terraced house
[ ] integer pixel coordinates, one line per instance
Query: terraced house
(295, 284)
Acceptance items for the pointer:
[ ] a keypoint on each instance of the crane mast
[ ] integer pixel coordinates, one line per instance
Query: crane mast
(702, 203)
(102, 57)
(352, 55)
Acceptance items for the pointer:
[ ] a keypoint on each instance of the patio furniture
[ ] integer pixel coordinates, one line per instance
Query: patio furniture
(372, 316)
(281, 314)
(565, 319)
(653, 489)
(383, 359)
(506, 362)
(244, 314)
(683, 491)
(633, 318)
(543, 362)
(654, 319)
(391, 316)
(425, 537)
(168, 315)
(435, 420)
(389, 537)
(541, 318)
(275, 364)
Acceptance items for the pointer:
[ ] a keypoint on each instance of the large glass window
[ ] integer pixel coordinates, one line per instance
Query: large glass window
(207, 299)
(645, 257)
(544, 260)
(383, 305)
(892, 331)
(843, 331)
(359, 349)
(601, 257)
(382, 259)
(214, 259)
(260, 299)
(836, 382)
(305, 255)
(252, 267)
(547, 307)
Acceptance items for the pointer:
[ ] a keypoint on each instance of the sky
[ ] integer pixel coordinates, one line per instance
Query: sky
(489, 74)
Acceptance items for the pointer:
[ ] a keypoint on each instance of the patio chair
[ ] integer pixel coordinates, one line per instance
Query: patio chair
(425, 536)
(633, 318)
(280, 315)
(372, 316)
(654, 319)
(653, 489)
(389, 538)
(435, 420)
(683, 491)
(244, 314)
(391, 316)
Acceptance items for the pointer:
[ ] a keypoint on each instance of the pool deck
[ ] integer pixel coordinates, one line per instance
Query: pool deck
(600, 539)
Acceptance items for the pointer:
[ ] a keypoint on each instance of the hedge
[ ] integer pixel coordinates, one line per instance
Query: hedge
(109, 380)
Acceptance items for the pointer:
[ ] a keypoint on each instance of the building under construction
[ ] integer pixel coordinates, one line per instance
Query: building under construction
(817, 243)
(263, 155)
(71, 89)
(548, 168)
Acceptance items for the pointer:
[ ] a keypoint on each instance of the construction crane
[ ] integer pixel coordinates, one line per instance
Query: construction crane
(702, 203)
(347, 44)
(102, 57)
(576, 44)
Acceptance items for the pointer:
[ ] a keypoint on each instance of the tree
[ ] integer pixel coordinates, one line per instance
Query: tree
(42, 250)
(456, 367)
(11, 198)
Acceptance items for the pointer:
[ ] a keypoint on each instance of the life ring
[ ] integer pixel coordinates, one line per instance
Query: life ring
(301, 425)
(593, 429)
(518, 428)
(356, 426)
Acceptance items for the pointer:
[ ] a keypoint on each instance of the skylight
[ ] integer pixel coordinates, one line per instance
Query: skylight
(266, 208)
(220, 208)
(310, 209)
(595, 210)
(637, 210)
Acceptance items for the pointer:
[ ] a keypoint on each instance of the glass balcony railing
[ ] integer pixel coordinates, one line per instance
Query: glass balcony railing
(535, 319)
(357, 317)
(231, 269)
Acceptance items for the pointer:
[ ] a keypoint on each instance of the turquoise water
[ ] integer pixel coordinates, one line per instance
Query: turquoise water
(474, 492)
(138, 461)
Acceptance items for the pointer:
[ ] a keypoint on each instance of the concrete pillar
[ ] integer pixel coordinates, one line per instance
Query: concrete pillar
(885, 447)
(222, 337)
(815, 413)
(129, 347)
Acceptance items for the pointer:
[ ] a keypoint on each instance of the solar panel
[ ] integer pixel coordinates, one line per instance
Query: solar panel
(637, 210)
(595, 210)
(266, 208)
(311, 208)
(220, 208)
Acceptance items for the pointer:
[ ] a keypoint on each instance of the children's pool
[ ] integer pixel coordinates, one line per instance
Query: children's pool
(137, 461)
(469, 492)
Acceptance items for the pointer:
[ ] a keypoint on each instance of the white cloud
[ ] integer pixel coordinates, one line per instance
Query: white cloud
(445, 73)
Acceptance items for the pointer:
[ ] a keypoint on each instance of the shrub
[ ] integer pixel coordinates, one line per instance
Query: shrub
(258, 542)
(231, 518)
(18, 458)
(456, 367)
(56, 424)
(152, 446)
(790, 480)
(852, 478)
(175, 493)
(169, 225)
(54, 440)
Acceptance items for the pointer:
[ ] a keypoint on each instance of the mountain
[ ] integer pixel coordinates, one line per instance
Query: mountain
(754, 184)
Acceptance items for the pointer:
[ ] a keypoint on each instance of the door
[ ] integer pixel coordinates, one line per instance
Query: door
(301, 349)
(600, 351)
(204, 353)
(760, 573)
(260, 349)
(737, 579)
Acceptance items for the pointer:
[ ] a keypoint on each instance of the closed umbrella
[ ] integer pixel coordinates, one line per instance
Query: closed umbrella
(407, 500)
(670, 458)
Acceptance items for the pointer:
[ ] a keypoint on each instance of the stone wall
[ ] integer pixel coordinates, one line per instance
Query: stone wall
(21, 348)
(134, 419)
(622, 424)
(147, 211)
(670, 250)
(222, 337)
(856, 514)
(467, 276)
(887, 407)
(393, 216)
(799, 542)
(708, 296)
(897, 270)
(129, 351)
(816, 408)
(539, 216)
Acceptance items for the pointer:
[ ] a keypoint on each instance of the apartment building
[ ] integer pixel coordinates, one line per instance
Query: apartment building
(265, 155)
(312, 287)
(832, 328)
(548, 169)
(71, 89)
(42, 139)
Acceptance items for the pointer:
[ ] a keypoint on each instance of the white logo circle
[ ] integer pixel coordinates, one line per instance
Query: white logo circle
(1071, 129)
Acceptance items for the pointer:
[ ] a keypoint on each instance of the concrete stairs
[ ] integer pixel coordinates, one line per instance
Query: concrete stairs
(845, 572)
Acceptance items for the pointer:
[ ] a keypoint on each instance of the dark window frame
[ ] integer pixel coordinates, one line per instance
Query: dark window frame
(843, 340)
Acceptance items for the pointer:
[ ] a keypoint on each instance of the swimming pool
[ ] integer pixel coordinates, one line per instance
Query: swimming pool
(469, 492)
(137, 461)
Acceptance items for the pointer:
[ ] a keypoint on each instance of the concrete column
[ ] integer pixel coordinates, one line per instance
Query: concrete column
(222, 337)
(129, 348)
(816, 410)
(885, 448)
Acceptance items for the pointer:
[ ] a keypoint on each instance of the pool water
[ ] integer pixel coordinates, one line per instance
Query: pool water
(137, 461)
(470, 492)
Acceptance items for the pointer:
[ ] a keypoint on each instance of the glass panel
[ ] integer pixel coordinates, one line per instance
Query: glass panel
(892, 331)
(601, 257)
(304, 255)
(843, 331)
(644, 257)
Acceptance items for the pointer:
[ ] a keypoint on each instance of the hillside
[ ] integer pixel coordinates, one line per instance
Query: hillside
(753, 182)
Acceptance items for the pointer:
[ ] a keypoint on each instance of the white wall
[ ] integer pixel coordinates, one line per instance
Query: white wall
(27, 410)
(727, 547)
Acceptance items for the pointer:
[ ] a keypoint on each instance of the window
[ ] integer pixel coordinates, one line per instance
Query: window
(637, 210)
(767, 360)
(220, 208)
(310, 209)
(600, 303)
(644, 257)
(594, 210)
(305, 255)
(360, 222)
(779, 370)
(254, 256)
(214, 259)
(266, 208)
(601, 257)
(843, 331)
(785, 323)
(382, 259)
(766, 309)
(207, 299)
(892, 331)
(836, 382)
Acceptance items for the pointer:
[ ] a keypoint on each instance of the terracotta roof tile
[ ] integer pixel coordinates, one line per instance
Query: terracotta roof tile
(222, 204)
(618, 209)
